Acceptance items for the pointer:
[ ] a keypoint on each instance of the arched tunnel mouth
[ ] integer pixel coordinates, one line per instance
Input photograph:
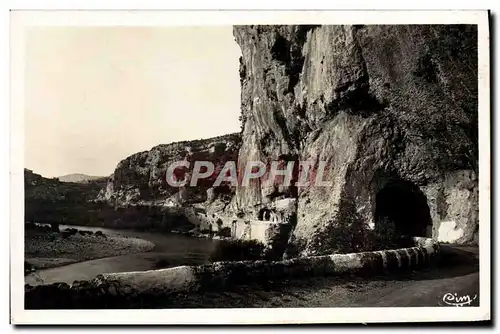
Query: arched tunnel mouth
(264, 214)
(402, 205)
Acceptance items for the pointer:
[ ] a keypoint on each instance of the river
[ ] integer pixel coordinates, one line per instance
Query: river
(170, 250)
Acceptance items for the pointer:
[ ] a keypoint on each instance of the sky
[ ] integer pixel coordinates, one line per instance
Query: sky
(95, 95)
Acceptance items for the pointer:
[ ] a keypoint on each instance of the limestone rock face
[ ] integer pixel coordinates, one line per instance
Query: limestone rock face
(141, 178)
(391, 111)
(386, 107)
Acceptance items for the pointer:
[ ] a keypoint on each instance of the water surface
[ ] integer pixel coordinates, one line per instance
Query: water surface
(170, 250)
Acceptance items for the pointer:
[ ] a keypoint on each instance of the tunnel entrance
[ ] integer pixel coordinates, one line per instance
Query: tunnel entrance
(404, 205)
(265, 214)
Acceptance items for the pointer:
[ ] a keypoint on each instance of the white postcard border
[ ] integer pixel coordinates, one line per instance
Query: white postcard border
(21, 20)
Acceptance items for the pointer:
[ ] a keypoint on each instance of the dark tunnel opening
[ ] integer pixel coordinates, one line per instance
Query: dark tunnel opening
(404, 205)
(264, 214)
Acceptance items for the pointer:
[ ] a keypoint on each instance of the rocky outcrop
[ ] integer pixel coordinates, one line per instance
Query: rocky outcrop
(141, 178)
(387, 107)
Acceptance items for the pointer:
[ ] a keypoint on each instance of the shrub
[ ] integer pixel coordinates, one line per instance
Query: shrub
(100, 234)
(224, 232)
(347, 233)
(65, 234)
(28, 268)
(219, 223)
(350, 234)
(294, 248)
(71, 231)
(206, 231)
(385, 229)
(386, 236)
(238, 250)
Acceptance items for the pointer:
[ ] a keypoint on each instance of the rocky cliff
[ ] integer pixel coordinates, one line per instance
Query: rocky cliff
(391, 109)
(141, 178)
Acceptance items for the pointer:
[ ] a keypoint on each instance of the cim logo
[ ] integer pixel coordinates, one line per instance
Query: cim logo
(453, 299)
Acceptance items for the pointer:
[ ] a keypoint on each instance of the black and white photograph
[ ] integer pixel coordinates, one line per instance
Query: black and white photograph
(287, 167)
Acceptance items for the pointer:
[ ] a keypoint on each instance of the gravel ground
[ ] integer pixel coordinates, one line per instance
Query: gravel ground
(50, 249)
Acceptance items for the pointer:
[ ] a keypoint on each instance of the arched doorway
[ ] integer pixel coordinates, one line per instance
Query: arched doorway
(403, 204)
(265, 214)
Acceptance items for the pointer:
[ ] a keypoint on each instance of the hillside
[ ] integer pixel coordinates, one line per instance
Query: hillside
(141, 178)
(51, 200)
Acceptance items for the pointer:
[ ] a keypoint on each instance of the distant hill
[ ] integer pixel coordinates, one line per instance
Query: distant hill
(79, 178)
(49, 200)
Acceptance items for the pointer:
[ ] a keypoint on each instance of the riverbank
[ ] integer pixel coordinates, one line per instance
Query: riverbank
(170, 250)
(49, 249)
